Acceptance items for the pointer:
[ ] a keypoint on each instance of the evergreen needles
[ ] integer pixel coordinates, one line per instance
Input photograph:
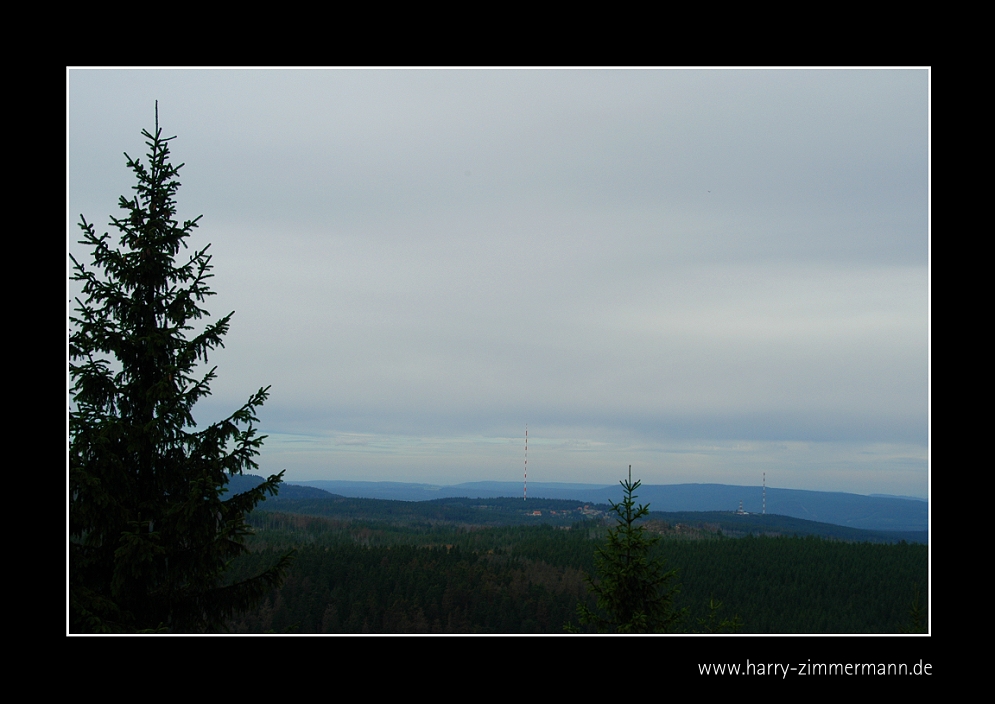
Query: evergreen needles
(635, 593)
(150, 532)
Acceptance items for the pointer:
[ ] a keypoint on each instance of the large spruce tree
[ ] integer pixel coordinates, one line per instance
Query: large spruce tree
(151, 527)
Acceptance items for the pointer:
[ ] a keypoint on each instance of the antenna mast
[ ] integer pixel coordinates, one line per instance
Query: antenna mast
(765, 493)
(525, 489)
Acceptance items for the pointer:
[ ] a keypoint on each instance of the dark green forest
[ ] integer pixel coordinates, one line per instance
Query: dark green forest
(419, 576)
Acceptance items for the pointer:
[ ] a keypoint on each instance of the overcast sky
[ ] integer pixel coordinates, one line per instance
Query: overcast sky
(707, 274)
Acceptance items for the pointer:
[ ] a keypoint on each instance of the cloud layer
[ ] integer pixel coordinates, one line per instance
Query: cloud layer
(639, 263)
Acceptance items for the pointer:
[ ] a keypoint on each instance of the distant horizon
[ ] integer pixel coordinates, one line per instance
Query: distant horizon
(312, 482)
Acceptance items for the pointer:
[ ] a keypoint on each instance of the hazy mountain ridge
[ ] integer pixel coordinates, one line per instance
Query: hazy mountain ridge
(875, 513)
(839, 508)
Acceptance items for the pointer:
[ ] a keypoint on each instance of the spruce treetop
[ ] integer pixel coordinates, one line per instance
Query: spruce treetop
(635, 592)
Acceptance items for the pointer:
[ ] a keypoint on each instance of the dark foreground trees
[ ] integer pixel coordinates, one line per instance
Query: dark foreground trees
(151, 530)
(635, 592)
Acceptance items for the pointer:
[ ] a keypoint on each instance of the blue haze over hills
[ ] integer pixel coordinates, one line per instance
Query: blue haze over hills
(838, 508)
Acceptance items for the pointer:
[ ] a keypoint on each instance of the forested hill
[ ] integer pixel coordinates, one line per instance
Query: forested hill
(244, 482)
(505, 565)
(877, 513)
(504, 511)
(353, 576)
